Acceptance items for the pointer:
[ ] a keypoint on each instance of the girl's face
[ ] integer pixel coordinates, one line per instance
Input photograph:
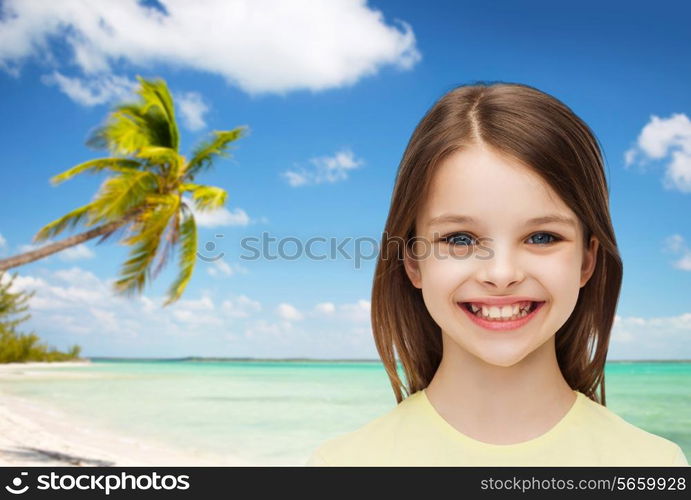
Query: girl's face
(499, 254)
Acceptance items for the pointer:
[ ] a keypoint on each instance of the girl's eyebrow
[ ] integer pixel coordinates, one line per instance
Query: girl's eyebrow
(535, 221)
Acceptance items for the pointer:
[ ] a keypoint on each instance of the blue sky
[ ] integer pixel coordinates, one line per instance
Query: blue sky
(331, 93)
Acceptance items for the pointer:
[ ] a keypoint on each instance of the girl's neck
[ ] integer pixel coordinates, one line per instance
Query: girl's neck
(497, 404)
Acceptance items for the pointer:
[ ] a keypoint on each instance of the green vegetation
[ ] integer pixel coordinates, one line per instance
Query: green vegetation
(19, 347)
(148, 177)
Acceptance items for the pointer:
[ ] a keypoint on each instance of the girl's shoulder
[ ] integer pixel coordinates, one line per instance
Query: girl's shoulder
(600, 424)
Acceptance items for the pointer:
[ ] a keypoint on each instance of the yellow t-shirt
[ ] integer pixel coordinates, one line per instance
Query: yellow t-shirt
(414, 434)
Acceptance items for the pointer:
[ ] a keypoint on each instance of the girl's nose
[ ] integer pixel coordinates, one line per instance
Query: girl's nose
(500, 267)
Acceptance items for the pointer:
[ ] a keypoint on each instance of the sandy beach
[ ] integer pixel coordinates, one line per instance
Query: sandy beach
(32, 434)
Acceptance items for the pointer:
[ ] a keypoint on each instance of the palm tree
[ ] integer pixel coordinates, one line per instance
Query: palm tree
(144, 192)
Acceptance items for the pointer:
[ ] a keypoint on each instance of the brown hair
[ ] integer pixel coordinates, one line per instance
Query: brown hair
(542, 133)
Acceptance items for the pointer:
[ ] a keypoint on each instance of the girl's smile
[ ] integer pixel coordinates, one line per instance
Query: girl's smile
(504, 318)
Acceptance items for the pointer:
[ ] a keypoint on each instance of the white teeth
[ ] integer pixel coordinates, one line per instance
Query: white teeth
(507, 312)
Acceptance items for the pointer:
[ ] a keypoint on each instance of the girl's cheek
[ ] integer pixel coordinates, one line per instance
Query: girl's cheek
(446, 273)
(558, 268)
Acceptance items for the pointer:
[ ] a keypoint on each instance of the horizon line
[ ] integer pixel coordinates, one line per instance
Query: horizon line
(369, 360)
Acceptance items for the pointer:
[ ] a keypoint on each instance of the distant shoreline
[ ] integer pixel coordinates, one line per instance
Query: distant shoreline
(88, 360)
(327, 360)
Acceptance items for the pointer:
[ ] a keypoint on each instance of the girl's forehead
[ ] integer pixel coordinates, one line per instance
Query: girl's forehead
(481, 166)
(486, 185)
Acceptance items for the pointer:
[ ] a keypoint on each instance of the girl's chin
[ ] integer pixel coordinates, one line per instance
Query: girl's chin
(504, 356)
(503, 362)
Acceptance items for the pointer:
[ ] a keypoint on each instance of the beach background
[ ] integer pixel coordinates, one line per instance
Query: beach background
(247, 412)
(330, 93)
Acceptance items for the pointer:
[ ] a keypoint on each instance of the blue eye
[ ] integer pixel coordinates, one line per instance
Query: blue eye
(554, 238)
(451, 237)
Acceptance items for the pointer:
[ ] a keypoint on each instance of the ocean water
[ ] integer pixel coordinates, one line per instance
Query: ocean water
(277, 412)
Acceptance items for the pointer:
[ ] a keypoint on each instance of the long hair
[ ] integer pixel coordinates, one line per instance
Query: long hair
(541, 132)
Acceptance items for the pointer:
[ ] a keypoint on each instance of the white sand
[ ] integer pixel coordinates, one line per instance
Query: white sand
(33, 434)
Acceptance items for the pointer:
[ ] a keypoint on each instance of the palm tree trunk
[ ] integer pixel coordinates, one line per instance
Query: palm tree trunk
(25, 258)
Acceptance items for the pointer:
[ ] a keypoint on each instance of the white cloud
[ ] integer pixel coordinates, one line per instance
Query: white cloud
(668, 139)
(219, 217)
(193, 108)
(220, 267)
(295, 179)
(325, 169)
(684, 262)
(288, 312)
(203, 304)
(260, 45)
(100, 89)
(240, 307)
(325, 308)
(358, 312)
(71, 323)
(64, 289)
(651, 338)
(3, 241)
(106, 319)
(676, 244)
(74, 305)
(263, 329)
(67, 295)
(678, 175)
(77, 252)
(107, 89)
(77, 276)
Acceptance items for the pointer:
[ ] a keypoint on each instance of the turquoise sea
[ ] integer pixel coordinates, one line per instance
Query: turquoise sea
(277, 412)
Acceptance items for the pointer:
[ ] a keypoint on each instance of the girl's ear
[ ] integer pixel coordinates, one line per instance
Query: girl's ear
(412, 269)
(589, 261)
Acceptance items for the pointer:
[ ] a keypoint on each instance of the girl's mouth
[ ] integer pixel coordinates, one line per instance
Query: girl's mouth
(493, 323)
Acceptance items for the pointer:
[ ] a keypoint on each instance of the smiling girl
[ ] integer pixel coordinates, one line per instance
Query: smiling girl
(500, 301)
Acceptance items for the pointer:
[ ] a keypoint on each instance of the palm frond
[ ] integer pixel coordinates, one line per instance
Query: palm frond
(206, 198)
(126, 131)
(204, 154)
(158, 155)
(163, 157)
(188, 257)
(154, 220)
(132, 126)
(66, 221)
(95, 166)
(169, 236)
(119, 194)
(136, 271)
(156, 95)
